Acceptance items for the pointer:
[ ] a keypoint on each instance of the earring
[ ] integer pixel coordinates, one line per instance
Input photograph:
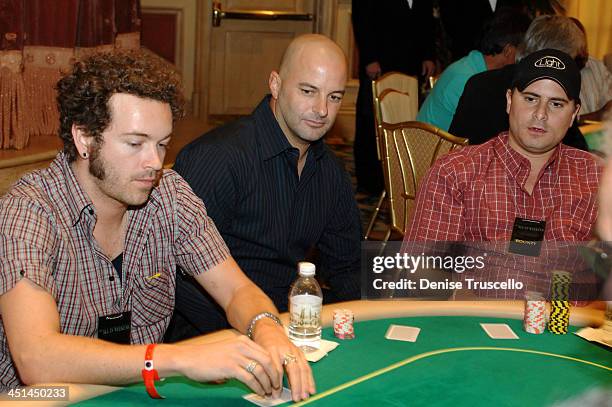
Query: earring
(84, 155)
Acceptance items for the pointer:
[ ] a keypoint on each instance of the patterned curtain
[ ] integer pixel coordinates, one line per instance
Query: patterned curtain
(40, 39)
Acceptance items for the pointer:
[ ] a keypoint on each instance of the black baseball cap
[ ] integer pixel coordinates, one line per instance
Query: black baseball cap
(549, 64)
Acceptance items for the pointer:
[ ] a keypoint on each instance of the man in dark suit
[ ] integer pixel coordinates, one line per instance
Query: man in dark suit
(392, 35)
(481, 112)
(463, 22)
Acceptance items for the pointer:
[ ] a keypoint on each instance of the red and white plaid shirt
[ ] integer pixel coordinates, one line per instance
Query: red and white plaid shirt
(46, 235)
(475, 195)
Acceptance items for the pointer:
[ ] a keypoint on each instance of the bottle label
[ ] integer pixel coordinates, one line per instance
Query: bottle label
(305, 311)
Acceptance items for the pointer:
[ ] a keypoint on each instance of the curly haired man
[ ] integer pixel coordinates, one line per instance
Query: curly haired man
(89, 247)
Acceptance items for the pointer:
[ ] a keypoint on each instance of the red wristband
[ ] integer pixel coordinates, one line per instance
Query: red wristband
(149, 373)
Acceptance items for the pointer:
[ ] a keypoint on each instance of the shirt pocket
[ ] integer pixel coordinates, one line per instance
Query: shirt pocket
(153, 297)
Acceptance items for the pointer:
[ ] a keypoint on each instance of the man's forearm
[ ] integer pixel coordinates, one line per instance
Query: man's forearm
(77, 359)
(247, 302)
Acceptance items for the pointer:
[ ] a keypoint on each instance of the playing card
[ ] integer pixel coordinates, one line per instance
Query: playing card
(402, 333)
(499, 331)
(269, 401)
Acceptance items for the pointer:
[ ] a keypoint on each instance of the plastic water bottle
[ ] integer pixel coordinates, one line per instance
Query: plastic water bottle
(305, 301)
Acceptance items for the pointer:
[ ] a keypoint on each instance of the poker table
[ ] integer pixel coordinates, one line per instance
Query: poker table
(452, 362)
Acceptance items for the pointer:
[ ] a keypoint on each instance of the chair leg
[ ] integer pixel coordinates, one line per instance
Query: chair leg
(372, 222)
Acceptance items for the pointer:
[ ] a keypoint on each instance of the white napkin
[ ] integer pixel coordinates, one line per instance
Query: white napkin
(601, 335)
(324, 349)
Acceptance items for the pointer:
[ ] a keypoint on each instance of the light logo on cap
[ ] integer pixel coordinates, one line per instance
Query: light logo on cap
(550, 62)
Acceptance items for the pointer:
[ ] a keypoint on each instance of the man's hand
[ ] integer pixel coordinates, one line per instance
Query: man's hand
(238, 358)
(373, 70)
(272, 337)
(241, 300)
(428, 68)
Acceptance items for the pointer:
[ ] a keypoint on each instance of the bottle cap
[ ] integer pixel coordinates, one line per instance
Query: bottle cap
(306, 269)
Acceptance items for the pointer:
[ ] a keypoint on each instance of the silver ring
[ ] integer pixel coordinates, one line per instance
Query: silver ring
(289, 358)
(251, 366)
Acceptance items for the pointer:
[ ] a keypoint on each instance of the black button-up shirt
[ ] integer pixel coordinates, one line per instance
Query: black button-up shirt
(271, 218)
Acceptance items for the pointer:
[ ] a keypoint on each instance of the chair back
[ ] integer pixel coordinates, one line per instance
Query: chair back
(401, 83)
(409, 149)
(396, 107)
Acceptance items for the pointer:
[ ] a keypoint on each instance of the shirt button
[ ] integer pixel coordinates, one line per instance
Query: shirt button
(111, 278)
(91, 211)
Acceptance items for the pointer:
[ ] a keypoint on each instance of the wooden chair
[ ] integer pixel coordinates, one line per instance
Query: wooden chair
(405, 110)
(409, 149)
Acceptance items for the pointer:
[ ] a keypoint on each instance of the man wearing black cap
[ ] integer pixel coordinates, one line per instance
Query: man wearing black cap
(524, 178)
(481, 111)
(504, 199)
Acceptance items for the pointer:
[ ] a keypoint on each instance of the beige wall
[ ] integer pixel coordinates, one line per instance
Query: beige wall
(193, 43)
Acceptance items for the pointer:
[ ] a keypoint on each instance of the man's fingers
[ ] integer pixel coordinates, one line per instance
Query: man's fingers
(266, 365)
(259, 372)
(250, 380)
(278, 368)
(294, 374)
(308, 384)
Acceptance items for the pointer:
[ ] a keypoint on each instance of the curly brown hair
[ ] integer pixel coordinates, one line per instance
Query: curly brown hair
(83, 94)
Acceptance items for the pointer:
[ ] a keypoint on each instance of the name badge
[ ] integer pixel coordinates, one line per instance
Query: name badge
(527, 236)
(115, 328)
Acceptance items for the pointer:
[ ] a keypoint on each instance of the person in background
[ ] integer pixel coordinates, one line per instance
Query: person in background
(89, 248)
(604, 220)
(464, 22)
(391, 35)
(502, 34)
(596, 91)
(481, 112)
(275, 190)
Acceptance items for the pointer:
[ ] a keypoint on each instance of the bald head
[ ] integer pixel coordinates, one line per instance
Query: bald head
(308, 88)
(315, 48)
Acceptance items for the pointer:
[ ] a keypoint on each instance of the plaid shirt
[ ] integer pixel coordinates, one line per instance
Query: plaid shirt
(475, 194)
(46, 235)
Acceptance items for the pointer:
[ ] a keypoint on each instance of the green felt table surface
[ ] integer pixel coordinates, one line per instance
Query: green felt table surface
(595, 140)
(453, 362)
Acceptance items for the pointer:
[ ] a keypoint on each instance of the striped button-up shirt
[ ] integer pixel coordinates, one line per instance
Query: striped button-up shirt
(46, 236)
(246, 173)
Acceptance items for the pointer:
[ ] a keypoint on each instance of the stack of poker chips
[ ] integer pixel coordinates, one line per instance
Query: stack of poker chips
(559, 302)
(343, 324)
(534, 319)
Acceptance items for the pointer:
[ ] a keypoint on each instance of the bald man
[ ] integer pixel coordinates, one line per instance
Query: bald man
(274, 189)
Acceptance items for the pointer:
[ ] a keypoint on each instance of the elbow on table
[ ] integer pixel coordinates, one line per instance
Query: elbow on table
(31, 368)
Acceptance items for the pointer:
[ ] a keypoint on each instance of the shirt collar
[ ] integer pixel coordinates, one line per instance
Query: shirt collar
(270, 136)
(517, 165)
(78, 202)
